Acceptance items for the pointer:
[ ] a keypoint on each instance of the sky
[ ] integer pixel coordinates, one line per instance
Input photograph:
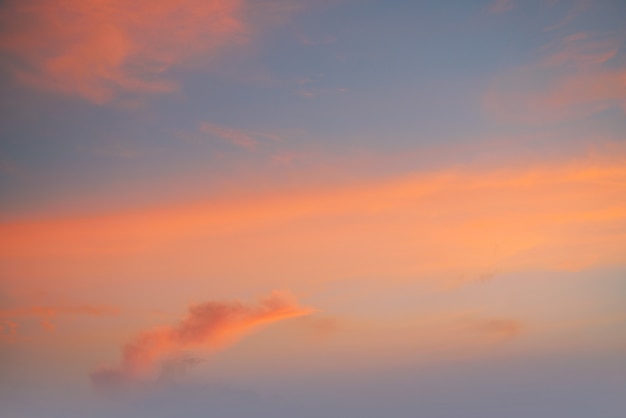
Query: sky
(313, 208)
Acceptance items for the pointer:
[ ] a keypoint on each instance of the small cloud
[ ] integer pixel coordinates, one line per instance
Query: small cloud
(501, 6)
(502, 328)
(326, 40)
(8, 330)
(241, 138)
(320, 327)
(284, 157)
(495, 329)
(115, 149)
(238, 137)
(156, 353)
(307, 93)
(47, 325)
(310, 93)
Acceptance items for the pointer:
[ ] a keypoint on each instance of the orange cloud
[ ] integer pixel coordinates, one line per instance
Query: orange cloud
(208, 326)
(99, 49)
(448, 226)
(571, 80)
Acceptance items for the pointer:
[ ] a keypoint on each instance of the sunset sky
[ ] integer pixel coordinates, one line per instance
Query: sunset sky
(313, 208)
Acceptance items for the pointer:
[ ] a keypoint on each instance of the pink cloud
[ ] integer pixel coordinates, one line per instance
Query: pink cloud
(100, 49)
(209, 326)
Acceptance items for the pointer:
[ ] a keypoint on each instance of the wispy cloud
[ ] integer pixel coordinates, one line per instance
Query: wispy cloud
(576, 8)
(247, 139)
(112, 148)
(571, 79)
(501, 6)
(237, 137)
(312, 92)
(497, 328)
(208, 326)
(100, 49)
(46, 314)
(320, 327)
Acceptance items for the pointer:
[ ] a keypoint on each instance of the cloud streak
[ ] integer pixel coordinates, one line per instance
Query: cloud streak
(208, 326)
(46, 314)
(571, 79)
(238, 137)
(446, 226)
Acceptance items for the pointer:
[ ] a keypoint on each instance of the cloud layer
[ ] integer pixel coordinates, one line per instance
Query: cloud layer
(444, 225)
